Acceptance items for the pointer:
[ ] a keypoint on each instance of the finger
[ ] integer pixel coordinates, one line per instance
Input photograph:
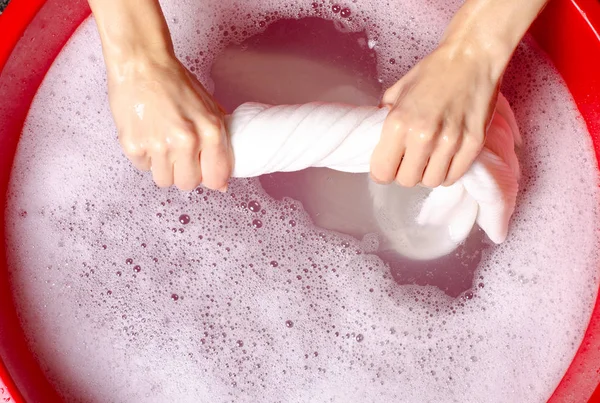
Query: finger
(419, 146)
(389, 151)
(187, 174)
(135, 153)
(141, 163)
(463, 159)
(437, 168)
(391, 95)
(399, 89)
(162, 170)
(412, 167)
(185, 155)
(217, 157)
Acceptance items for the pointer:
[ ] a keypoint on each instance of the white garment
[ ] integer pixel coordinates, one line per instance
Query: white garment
(285, 138)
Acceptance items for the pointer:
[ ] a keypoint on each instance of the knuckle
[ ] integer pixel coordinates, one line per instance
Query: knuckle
(186, 137)
(131, 149)
(449, 143)
(422, 138)
(395, 123)
(426, 136)
(159, 147)
(211, 120)
(423, 132)
(212, 134)
(473, 140)
(189, 141)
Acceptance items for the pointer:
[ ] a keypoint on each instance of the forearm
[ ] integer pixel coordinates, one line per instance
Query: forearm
(492, 29)
(131, 31)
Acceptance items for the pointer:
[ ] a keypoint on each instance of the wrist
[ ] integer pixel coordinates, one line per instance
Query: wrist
(133, 32)
(129, 46)
(491, 56)
(491, 29)
(135, 57)
(138, 66)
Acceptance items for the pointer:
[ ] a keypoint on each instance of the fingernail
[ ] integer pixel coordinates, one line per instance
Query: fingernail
(223, 189)
(374, 179)
(379, 181)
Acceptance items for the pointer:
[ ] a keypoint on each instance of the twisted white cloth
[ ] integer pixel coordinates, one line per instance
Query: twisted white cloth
(287, 138)
(268, 139)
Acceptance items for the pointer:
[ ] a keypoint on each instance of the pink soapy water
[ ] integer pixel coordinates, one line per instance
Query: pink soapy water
(184, 219)
(454, 273)
(240, 305)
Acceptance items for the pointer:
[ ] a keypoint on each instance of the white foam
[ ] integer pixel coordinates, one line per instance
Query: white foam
(77, 211)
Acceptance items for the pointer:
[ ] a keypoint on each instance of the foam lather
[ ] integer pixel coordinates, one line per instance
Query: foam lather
(285, 138)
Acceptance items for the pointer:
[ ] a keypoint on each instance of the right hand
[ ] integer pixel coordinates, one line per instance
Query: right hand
(169, 124)
(439, 115)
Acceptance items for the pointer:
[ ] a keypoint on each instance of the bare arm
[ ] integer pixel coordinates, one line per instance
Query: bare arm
(492, 27)
(440, 110)
(165, 118)
(132, 29)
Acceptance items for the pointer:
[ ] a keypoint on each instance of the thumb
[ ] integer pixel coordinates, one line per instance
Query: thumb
(392, 94)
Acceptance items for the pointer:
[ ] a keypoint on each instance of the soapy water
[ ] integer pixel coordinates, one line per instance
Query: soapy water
(131, 293)
(301, 70)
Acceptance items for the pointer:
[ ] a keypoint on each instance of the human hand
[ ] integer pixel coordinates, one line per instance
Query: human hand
(169, 124)
(439, 114)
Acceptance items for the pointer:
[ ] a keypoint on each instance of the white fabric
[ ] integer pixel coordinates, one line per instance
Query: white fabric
(286, 138)
(268, 139)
